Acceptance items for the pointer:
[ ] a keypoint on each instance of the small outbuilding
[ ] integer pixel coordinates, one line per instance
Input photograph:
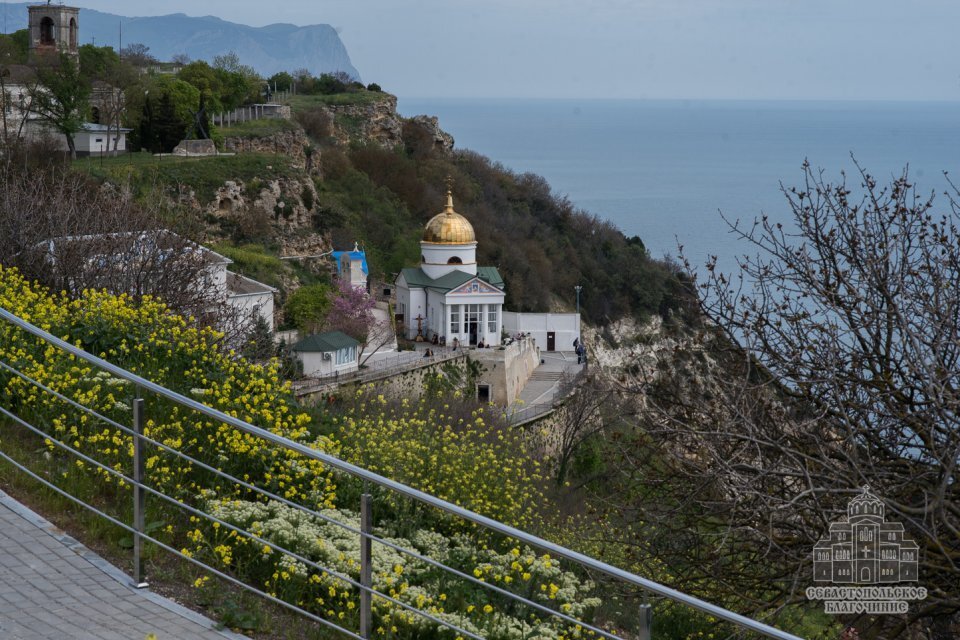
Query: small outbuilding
(97, 139)
(327, 354)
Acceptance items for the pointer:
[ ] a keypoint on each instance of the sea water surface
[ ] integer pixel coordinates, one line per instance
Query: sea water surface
(663, 170)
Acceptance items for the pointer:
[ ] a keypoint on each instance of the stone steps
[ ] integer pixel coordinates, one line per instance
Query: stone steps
(546, 376)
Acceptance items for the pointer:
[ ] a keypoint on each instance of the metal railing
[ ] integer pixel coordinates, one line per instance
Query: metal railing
(365, 531)
(529, 413)
(520, 415)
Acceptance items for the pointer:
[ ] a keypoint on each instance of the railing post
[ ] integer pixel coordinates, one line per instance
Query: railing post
(366, 565)
(645, 631)
(138, 493)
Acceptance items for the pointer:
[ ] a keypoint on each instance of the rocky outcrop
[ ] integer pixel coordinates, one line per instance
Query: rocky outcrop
(290, 144)
(276, 211)
(376, 122)
(430, 126)
(625, 343)
(195, 148)
(286, 203)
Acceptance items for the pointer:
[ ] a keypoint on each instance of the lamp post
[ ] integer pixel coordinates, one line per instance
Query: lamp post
(578, 288)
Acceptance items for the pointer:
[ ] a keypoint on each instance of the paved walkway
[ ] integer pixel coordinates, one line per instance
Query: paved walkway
(52, 587)
(558, 366)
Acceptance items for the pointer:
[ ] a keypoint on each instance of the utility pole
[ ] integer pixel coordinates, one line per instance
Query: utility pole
(578, 288)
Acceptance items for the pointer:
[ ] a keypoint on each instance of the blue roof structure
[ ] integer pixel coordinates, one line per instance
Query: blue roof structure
(355, 254)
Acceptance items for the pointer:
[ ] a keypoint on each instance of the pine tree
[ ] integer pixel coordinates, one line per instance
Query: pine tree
(259, 343)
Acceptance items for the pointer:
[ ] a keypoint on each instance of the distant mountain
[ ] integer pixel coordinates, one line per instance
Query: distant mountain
(276, 47)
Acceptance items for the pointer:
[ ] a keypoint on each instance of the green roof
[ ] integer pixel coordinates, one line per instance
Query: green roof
(325, 342)
(415, 277)
(491, 275)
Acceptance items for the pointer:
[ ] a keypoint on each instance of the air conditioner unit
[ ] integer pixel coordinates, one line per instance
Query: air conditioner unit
(327, 355)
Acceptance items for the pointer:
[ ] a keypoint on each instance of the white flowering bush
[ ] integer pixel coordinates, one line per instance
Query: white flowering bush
(469, 606)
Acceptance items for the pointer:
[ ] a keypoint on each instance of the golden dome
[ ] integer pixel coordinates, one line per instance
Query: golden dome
(449, 227)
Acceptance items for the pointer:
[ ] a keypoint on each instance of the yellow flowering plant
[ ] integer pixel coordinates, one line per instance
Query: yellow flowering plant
(443, 446)
(147, 339)
(438, 445)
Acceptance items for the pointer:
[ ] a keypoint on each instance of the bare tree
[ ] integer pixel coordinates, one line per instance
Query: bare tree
(137, 54)
(71, 234)
(831, 362)
(381, 334)
(580, 418)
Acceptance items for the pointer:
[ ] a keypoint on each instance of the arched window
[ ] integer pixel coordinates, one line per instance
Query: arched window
(46, 31)
(95, 115)
(73, 33)
(454, 260)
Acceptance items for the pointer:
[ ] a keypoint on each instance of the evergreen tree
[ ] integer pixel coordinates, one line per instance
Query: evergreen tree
(259, 343)
(168, 127)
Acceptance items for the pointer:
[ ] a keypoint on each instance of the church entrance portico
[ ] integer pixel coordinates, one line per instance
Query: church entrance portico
(473, 323)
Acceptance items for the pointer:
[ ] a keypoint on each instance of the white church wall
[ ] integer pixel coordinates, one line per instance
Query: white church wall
(437, 258)
(564, 326)
(417, 307)
(435, 315)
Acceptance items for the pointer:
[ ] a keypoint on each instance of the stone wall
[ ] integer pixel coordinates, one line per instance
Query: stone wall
(409, 384)
(508, 370)
(505, 370)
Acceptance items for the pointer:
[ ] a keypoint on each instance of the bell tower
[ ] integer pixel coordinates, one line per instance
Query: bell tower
(54, 28)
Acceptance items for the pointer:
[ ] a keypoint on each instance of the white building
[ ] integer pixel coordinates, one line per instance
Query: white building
(95, 139)
(551, 331)
(108, 254)
(326, 354)
(18, 119)
(448, 295)
(15, 99)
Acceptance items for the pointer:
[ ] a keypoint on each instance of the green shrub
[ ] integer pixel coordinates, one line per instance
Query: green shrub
(307, 307)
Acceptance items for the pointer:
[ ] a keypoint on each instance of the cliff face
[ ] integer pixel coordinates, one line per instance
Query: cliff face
(428, 129)
(379, 123)
(280, 210)
(290, 144)
(376, 122)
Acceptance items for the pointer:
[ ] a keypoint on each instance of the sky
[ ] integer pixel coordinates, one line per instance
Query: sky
(687, 49)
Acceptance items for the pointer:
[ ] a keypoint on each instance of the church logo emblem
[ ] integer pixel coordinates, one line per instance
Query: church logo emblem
(862, 550)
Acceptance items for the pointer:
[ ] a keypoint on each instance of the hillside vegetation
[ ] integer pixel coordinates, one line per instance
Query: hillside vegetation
(381, 196)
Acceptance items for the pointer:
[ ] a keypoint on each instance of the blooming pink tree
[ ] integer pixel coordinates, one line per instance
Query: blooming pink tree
(352, 311)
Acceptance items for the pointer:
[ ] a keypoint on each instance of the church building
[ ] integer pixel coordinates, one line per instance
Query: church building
(448, 296)
(53, 29)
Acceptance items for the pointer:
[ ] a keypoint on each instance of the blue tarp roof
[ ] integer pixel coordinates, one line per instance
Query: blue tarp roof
(354, 255)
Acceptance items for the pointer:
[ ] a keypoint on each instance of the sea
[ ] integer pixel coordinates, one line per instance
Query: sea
(666, 170)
